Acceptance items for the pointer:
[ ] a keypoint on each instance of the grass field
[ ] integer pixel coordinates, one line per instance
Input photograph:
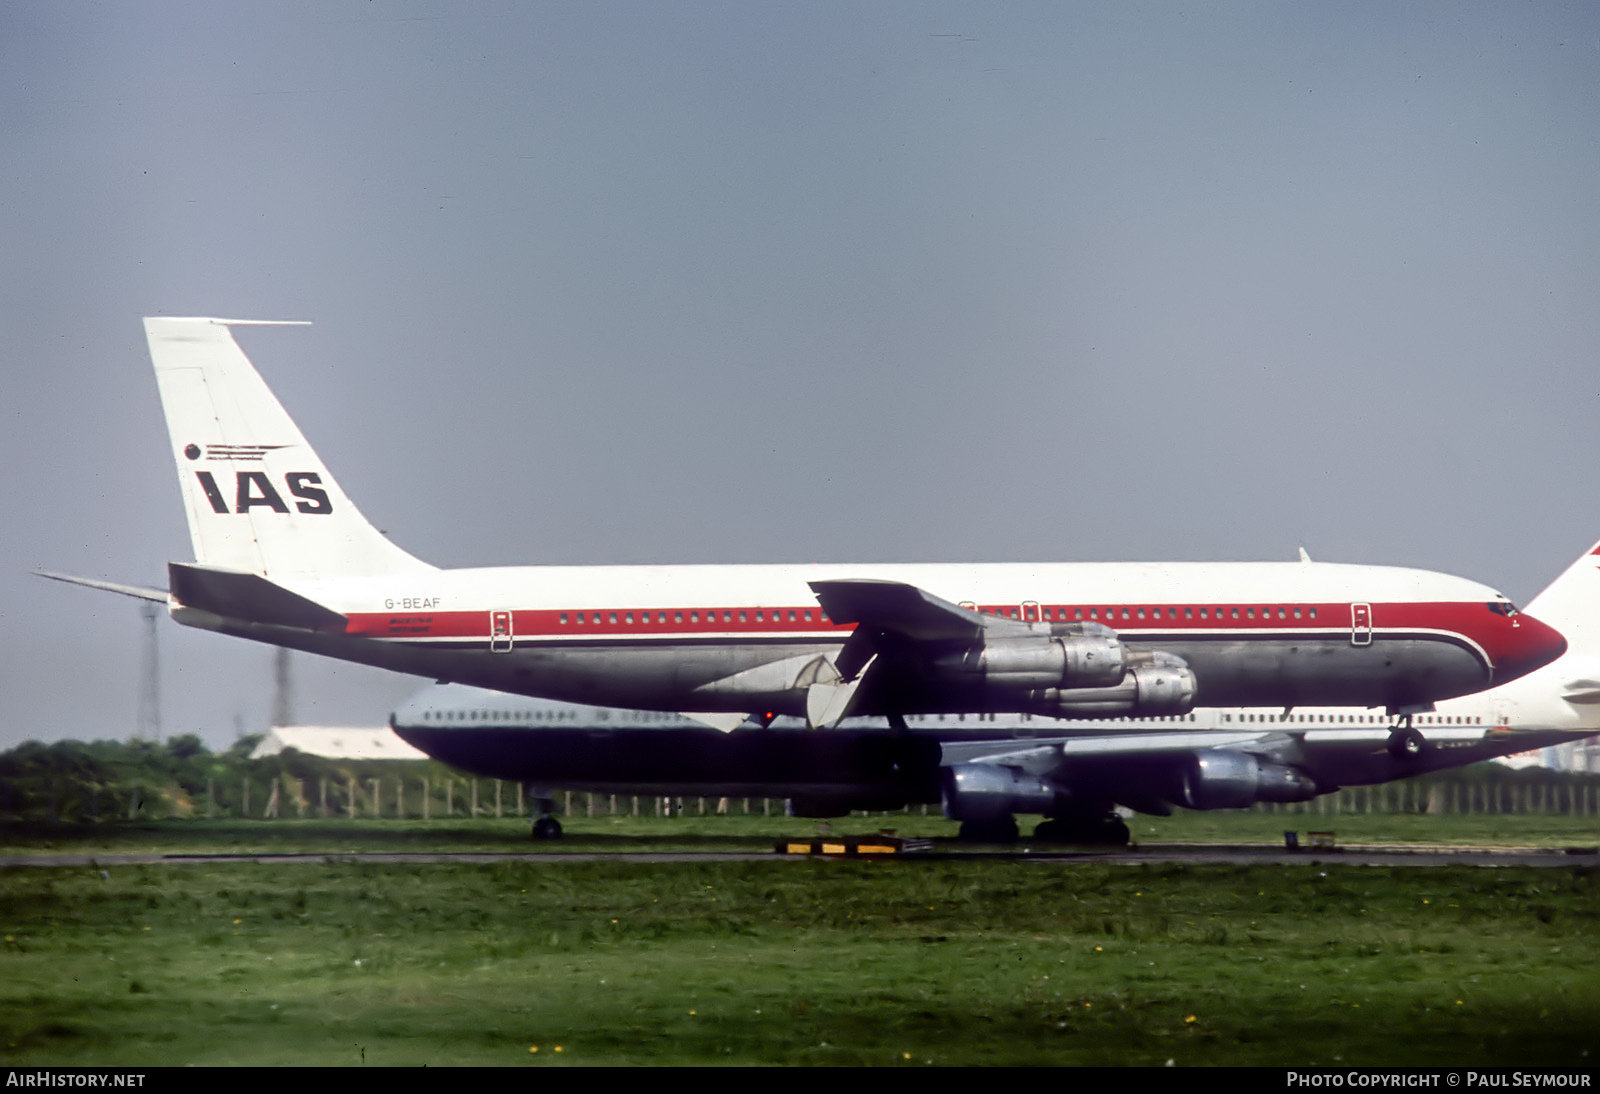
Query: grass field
(907, 962)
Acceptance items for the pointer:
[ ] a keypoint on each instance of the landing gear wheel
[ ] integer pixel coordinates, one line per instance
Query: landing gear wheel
(1108, 831)
(997, 831)
(1114, 833)
(1407, 744)
(546, 828)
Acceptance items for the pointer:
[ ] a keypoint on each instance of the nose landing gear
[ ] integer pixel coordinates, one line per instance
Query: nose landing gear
(1406, 742)
(545, 825)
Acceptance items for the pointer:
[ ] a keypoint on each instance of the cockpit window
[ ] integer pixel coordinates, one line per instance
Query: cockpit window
(1502, 607)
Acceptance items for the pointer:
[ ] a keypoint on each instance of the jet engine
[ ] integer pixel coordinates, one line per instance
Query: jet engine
(990, 792)
(1094, 658)
(1218, 779)
(1162, 685)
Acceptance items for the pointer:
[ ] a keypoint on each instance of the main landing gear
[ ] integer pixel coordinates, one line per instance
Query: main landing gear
(1100, 829)
(1001, 830)
(1096, 829)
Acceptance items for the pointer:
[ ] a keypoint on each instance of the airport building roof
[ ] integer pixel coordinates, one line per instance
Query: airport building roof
(337, 743)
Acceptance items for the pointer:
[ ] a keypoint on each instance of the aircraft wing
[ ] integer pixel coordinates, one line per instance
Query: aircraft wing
(896, 608)
(906, 641)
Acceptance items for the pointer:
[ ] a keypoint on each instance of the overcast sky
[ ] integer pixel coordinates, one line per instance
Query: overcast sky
(751, 282)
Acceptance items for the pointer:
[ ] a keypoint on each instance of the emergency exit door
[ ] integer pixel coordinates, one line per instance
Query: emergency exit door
(1361, 624)
(500, 632)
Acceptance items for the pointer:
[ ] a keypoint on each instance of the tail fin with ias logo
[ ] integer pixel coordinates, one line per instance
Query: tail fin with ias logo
(258, 498)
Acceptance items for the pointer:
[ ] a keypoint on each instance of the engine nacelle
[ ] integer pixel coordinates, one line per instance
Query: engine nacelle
(1093, 659)
(988, 792)
(1217, 779)
(1163, 686)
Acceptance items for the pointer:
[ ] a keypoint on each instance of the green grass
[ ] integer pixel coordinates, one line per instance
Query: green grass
(781, 962)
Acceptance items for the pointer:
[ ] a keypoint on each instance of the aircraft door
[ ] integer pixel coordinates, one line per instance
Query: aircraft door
(500, 632)
(1030, 611)
(1361, 624)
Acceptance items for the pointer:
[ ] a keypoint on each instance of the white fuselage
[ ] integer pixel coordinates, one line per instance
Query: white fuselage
(736, 638)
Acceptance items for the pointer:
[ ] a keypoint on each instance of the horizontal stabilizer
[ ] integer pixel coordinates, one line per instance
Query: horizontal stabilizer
(143, 592)
(249, 597)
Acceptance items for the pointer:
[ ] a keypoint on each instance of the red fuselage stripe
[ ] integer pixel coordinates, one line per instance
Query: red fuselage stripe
(533, 624)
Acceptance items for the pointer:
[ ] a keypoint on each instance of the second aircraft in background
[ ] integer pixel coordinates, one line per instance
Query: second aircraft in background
(985, 769)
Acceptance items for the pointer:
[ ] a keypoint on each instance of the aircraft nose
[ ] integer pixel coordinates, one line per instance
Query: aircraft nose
(1533, 645)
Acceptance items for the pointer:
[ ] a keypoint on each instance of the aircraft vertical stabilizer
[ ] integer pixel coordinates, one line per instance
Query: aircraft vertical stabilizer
(258, 498)
(1571, 604)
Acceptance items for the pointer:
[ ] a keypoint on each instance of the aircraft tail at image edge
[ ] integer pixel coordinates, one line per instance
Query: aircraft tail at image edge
(1571, 604)
(258, 498)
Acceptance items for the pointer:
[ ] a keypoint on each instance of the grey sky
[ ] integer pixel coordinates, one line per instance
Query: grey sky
(771, 282)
